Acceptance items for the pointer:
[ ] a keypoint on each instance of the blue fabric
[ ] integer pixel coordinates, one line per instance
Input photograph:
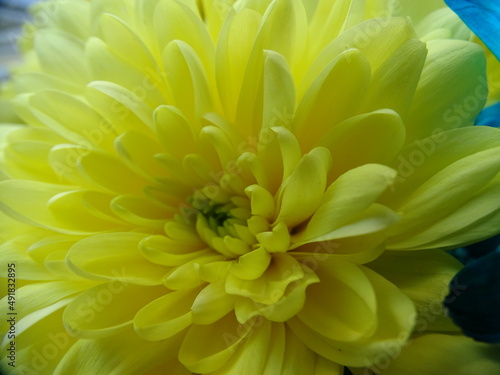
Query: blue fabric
(472, 252)
(490, 116)
(483, 18)
(474, 299)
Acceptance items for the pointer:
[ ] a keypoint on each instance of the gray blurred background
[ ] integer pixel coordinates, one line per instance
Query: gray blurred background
(12, 15)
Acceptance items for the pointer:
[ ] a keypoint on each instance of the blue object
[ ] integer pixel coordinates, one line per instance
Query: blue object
(474, 299)
(483, 18)
(22, 4)
(472, 252)
(490, 116)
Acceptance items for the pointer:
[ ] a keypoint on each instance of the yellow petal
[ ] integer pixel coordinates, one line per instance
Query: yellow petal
(332, 97)
(384, 126)
(63, 159)
(72, 17)
(85, 209)
(358, 250)
(271, 286)
(262, 202)
(95, 166)
(73, 119)
(140, 211)
(169, 121)
(199, 357)
(395, 316)
(30, 344)
(165, 251)
(122, 39)
(426, 157)
(349, 196)
(374, 219)
(37, 296)
(106, 65)
(28, 160)
(443, 24)
(92, 257)
(277, 240)
(476, 219)
(251, 355)
(277, 143)
(282, 310)
(43, 247)
(424, 276)
(215, 13)
(138, 151)
(299, 359)
(443, 194)
(165, 316)
(28, 201)
(279, 91)
(342, 305)
(303, 190)
(26, 150)
(15, 251)
(455, 95)
(462, 356)
(61, 55)
(173, 20)
(480, 229)
(122, 108)
(188, 275)
(187, 79)
(329, 20)
(34, 81)
(234, 46)
(106, 309)
(292, 302)
(276, 352)
(55, 262)
(252, 265)
(393, 85)
(107, 356)
(211, 304)
(214, 271)
(282, 29)
(374, 42)
(214, 137)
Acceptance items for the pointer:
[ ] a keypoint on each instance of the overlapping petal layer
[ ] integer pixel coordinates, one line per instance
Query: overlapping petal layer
(227, 187)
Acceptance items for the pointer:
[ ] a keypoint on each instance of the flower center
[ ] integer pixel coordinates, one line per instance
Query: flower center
(221, 222)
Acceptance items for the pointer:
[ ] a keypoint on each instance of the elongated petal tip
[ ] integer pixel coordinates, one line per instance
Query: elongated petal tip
(474, 299)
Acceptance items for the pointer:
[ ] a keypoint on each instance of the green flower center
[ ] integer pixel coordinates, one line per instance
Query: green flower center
(222, 223)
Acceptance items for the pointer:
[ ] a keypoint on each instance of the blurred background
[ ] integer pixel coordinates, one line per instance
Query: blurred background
(13, 13)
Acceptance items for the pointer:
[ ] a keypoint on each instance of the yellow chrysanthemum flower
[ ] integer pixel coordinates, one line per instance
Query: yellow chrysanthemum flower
(264, 187)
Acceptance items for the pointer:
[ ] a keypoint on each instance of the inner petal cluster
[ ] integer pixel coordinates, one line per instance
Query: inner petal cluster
(245, 230)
